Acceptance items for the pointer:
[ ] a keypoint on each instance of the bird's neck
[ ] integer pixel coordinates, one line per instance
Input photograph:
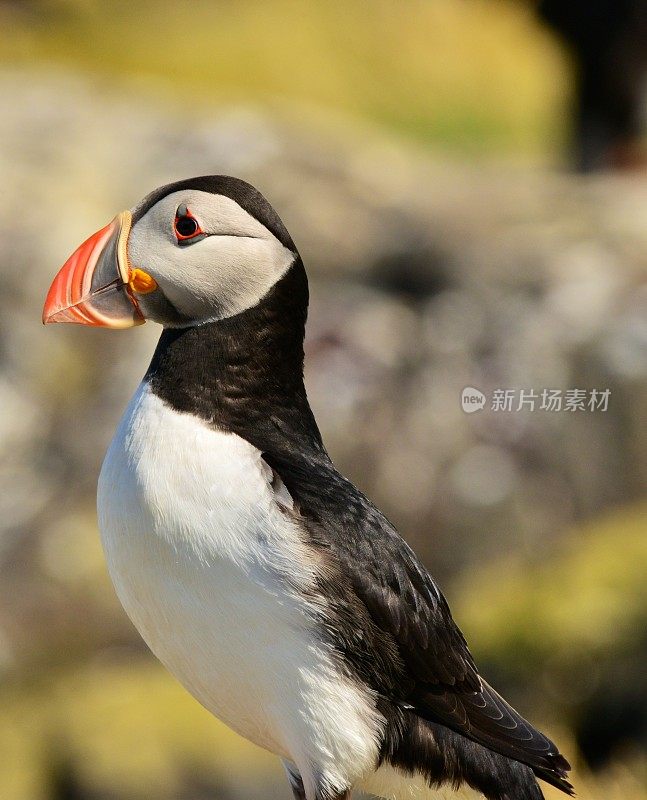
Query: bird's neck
(243, 374)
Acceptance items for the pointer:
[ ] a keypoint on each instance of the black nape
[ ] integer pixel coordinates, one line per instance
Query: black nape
(244, 374)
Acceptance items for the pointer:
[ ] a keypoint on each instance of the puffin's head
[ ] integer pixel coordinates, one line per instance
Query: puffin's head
(193, 251)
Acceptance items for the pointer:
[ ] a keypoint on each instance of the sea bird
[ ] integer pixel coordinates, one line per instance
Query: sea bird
(264, 580)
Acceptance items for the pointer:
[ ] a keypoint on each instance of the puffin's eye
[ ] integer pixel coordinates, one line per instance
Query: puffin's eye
(186, 227)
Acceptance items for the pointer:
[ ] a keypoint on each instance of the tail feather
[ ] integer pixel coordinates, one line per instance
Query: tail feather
(556, 779)
(415, 745)
(487, 719)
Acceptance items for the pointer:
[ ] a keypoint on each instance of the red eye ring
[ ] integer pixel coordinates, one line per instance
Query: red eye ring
(186, 227)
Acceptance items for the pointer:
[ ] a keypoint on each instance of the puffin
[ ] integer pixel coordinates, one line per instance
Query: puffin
(277, 594)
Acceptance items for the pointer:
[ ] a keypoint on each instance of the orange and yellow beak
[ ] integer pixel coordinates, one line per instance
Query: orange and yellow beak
(96, 286)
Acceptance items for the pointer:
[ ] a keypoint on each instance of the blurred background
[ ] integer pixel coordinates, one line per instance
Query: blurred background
(465, 181)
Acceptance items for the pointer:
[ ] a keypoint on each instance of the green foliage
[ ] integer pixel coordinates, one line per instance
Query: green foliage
(124, 729)
(477, 75)
(586, 602)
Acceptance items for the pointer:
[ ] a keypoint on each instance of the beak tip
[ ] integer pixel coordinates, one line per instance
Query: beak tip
(91, 288)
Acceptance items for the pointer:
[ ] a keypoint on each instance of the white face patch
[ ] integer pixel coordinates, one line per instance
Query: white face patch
(226, 272)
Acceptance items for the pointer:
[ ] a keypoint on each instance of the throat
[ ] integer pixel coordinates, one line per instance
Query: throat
(243, 374)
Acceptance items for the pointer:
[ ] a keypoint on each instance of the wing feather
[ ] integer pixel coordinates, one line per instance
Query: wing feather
(439, 679)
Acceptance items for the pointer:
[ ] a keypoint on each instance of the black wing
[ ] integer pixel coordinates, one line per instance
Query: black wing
(439, 679)
(404, 601)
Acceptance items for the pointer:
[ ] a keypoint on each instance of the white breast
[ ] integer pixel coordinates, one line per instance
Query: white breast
(212, 571)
